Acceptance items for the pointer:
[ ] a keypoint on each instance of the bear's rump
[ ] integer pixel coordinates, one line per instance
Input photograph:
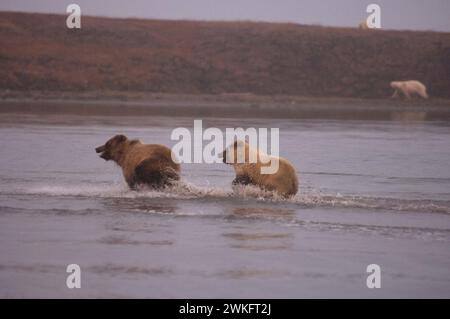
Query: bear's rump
(155, 172)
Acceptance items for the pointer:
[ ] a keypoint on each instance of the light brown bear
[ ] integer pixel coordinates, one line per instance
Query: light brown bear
(249, 164)
(142, 164)
(409, 89)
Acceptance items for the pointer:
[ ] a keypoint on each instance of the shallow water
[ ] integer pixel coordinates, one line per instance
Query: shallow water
(370, 192)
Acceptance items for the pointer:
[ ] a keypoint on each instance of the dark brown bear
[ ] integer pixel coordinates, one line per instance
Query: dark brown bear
(142, 164)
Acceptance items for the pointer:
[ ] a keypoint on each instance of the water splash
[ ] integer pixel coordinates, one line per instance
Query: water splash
(307, 198)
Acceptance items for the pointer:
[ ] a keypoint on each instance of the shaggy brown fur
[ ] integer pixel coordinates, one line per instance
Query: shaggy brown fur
(147, 164)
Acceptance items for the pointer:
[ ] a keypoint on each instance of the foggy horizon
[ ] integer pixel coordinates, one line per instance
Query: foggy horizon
(401, 15)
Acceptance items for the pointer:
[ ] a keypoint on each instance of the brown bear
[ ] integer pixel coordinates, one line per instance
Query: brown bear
(249, 169)
(142, 164)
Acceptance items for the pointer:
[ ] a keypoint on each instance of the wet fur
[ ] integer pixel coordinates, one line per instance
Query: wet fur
(284, 182)
(142, 164)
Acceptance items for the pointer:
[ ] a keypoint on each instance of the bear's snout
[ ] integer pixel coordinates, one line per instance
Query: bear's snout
(100, 149)
(223, 155)
(103, 152)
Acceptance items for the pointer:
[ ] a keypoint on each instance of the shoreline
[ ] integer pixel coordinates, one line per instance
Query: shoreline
(222, 105)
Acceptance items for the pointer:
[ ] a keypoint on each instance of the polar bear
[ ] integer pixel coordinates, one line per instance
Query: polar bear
(363, 26)
(409, 89)
(248, 169)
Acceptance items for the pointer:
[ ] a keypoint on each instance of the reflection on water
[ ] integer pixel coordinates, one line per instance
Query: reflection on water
(409, 116)
(125, 240)
(256, 236)
(118, 270)
(262, 213)
(244, 273)
(139, 206)
(248, 239)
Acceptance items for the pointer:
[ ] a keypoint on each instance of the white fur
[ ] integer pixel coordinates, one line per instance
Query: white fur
(363, 25)
(254, 155)
(409, 89)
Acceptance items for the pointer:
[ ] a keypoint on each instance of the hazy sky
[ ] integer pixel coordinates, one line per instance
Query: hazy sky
(396, 14)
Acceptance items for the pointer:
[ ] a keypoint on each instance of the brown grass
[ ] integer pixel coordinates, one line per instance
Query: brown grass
(38, 52)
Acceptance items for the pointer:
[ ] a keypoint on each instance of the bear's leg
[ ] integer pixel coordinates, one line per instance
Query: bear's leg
(132, 185)
(395, 95)
(406, 94)
(423, 94)
(150, 173)
(242, 180)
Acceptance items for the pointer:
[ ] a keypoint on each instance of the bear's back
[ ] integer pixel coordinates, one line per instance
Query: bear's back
(138, 152)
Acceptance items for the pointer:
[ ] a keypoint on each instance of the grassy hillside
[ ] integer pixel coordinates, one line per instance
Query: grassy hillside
(38, 52)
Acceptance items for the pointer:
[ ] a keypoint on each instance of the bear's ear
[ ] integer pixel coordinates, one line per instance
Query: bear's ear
(239, 143)
(132, 142)
(120, 138)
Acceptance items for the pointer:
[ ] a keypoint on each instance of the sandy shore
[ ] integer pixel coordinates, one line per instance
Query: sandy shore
(223, 105)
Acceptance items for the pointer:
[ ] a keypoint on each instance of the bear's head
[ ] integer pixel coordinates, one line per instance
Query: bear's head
(396, 84)
(239, 153)
(113, 149)
(243, 157)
